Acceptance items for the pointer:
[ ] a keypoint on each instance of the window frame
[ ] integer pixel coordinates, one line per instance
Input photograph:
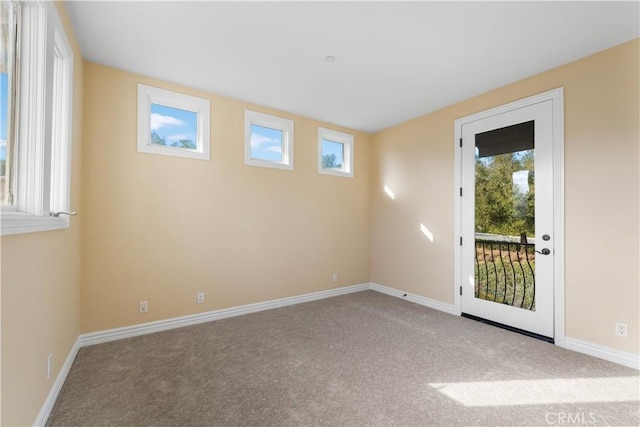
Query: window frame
(347, 141)
(286, 126)
(148, 95)
(42, 137)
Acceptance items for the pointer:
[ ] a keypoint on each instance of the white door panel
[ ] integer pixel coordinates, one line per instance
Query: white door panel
(538, 317)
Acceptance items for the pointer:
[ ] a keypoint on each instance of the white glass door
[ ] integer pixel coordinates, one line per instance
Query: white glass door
(507, 218)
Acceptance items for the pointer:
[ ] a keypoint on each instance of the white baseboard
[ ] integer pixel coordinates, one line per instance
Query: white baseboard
(623, 358)
(607, 353)
(194, 319)
(436, 305)
(47, 406)
(178, 322)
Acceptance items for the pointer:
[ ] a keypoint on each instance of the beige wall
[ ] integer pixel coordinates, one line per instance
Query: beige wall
(41, 294)
(162, 228)
(415, 159)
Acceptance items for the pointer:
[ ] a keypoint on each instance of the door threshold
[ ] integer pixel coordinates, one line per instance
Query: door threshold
(509, 328)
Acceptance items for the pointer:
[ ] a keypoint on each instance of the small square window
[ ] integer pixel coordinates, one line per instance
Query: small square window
(335, 153)
(332, 155)
(268, 141)
(173, 127)
(172, 124)
(266, 144)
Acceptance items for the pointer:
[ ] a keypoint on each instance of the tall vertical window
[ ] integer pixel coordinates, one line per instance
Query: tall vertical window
(335, 153)
(35, 124)
(7, 97)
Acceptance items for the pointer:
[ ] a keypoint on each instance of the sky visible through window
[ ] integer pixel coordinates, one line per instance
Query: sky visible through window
(173, 127)
(3, 114)
(521, 177)
(521, 181)
(266, 144)
(332, 154)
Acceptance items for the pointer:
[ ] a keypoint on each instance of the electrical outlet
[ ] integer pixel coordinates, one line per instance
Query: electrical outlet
(200, 297)
(621, 329)
(334, 278)
(143, 307)
(49, 363)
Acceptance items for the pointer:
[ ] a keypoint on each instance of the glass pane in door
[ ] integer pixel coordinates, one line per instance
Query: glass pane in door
(505, 216)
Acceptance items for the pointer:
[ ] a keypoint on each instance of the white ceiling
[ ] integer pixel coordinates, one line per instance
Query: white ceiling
(394, 60)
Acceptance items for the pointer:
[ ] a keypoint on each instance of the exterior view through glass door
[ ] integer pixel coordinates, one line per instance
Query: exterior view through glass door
(507, 219)
(505, 216)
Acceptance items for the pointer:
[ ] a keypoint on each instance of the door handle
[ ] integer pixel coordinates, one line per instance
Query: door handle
(544, 251)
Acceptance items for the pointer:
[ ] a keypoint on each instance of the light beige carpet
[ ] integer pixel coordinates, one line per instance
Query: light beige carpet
(354, 360)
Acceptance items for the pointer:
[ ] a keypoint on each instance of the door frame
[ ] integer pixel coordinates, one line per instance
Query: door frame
(557, 99)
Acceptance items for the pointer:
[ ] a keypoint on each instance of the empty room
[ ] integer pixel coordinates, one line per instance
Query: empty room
(319, 213)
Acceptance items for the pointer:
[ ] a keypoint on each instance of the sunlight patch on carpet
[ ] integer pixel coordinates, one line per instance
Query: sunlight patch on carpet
(543, 391)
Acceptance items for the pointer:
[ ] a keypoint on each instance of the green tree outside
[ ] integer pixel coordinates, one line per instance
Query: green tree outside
(184, 143)
(181, 143)
(330, 161)
(157, 139)
(502, 207)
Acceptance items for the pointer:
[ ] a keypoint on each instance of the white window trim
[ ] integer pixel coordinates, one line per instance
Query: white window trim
(273, 122)
(148, 95)
(41, 32)
(347, 141)
(61, 133)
